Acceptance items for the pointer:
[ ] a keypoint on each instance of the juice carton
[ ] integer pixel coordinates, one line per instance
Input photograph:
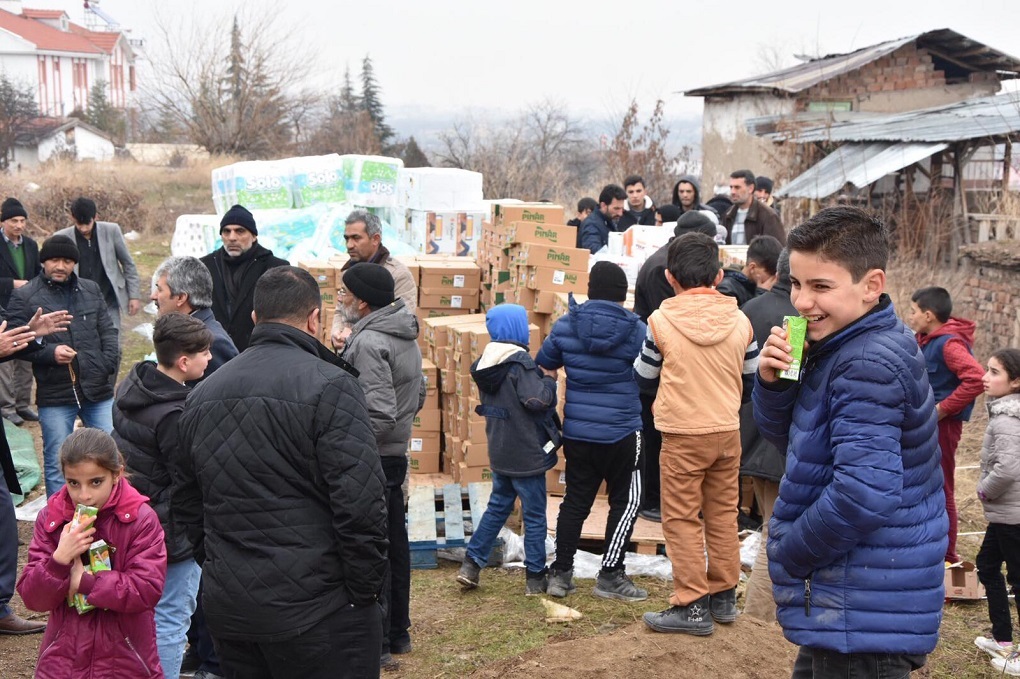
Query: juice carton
(796, 332)
(80, 512)
(99, 560)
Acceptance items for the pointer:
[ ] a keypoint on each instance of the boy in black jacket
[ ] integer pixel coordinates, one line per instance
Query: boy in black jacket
(518, 402)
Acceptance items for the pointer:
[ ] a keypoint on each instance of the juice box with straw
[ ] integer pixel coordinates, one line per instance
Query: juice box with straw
(796, 333)
(99, 560)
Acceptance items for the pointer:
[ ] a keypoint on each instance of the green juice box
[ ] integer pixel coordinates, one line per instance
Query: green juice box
(80, 512)
(796, 333)
(99, 560)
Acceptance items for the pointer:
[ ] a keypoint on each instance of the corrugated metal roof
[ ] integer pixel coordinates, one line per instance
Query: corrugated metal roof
(857, 164)
(979, 118)
(798, 78)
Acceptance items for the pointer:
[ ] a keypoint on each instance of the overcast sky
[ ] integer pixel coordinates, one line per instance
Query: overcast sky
(455, 55)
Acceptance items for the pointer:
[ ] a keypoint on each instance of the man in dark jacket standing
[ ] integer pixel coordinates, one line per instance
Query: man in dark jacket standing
(761, 460)
(184, 285)
(651, 289)
(15, 342)
(74, 373)
(383, 349)
(687, 195)
(145, 415)
(749, 217)
(596, 228)
(19, 263)
(288, 508)
(639, 208)
(597, 342)
(235, 269)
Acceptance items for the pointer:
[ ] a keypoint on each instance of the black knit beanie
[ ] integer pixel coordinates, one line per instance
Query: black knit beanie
(693, 221)
(12, 207)
(607, 281)
(371, 283)
(239, 216)
(58, 247)
(669, 213)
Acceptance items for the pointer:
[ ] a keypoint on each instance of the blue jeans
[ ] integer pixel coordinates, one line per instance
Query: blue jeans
(57, 423)
(173, 613)
(506, 489)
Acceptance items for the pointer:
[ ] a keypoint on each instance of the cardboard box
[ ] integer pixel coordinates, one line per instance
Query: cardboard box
(545, 302)
(427, 420)
(430, 374)
(962, 582)
(474, 454)
(424, 462)
(566, 258)
(431, 400)
(436, 329)
(538, 213)
(457, 273)
(557, 280)
(545, 234)
(468, 475)
(328, 297)
(556, 482)
(447, 298)
(476, 429)
(424, 441)
(324, 273)
(452, 233)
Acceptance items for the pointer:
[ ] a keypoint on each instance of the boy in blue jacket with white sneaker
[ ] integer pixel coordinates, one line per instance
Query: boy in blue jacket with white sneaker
(859, 531)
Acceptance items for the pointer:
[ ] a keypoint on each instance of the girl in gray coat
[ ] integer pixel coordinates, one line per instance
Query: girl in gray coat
(999, 490)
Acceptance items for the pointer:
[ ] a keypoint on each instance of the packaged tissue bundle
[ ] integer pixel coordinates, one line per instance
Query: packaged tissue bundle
(371, 181)
(195, 235)
(262, 185)
(221, 194)
(282, 231)
(318, 180)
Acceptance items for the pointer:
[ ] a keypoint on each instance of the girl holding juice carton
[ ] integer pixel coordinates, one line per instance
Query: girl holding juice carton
(999, 490)
(115, 634)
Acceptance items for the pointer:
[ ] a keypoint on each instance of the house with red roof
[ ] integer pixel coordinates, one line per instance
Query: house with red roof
(63, 60)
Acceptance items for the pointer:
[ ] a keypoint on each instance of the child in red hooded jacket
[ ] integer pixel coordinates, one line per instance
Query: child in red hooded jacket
(118, 637)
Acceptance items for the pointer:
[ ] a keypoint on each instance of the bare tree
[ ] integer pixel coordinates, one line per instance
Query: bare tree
(643, 149)
(231, 88)
(17, 109)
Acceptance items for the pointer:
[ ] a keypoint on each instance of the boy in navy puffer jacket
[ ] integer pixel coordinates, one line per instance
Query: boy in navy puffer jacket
(597, 343)
(519, 404)
(859, 531)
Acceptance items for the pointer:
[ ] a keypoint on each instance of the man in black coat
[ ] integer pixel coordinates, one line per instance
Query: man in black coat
(19, 263)
(16, 342)
(74, 374)
(650, 291)
(760, 460)
(236, 267)
(287, 498)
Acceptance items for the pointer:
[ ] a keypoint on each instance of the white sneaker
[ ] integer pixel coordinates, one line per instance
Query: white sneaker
(993, 648)
(1009, 665)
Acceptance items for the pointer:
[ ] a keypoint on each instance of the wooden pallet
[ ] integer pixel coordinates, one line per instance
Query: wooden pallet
(443, 517)
(646, 539)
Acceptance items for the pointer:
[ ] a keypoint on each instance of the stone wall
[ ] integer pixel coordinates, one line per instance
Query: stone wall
(991, 295)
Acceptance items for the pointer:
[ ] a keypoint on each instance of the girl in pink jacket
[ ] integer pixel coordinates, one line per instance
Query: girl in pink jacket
(118, 637)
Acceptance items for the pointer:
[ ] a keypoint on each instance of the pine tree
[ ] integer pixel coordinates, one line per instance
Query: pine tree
(237, 74)
(101, 115)
(348, 101)
(17, 109)
(371, 103)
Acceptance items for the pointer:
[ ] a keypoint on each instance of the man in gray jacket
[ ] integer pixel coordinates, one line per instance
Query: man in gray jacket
(382, 347)
(104, 259)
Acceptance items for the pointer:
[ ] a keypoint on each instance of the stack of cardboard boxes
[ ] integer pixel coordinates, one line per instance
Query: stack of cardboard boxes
(327, 274)
(425, 446)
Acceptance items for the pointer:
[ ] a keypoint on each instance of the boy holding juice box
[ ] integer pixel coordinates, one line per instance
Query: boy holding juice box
(859, 530)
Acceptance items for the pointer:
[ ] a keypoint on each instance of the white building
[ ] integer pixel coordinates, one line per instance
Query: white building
(44, 138)
(62, 60)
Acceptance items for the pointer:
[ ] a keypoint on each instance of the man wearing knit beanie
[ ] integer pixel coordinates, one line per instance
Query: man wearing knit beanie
(76, 369)
(383, 347)
(597, 343)
(19, 263)
(235, 269)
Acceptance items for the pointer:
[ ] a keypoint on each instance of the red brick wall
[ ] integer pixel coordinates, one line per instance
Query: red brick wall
(907, 68)
(991, 298)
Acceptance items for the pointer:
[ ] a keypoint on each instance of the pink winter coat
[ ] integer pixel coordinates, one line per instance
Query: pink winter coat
(118, 638)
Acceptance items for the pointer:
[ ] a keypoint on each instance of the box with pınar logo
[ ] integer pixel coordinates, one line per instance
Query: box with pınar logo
(538, 213)
(459, 272)
(544, 234)
(568, 258)
(448, 298)
(555, 279)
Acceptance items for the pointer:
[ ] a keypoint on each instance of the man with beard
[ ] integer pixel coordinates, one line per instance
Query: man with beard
(235, 269)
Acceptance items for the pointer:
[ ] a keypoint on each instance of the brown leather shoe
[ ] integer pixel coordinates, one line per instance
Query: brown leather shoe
(15, 624)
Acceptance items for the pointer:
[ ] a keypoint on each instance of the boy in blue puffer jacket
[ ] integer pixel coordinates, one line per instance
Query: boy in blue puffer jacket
(597, 343)
(519, 405)
(859, 531)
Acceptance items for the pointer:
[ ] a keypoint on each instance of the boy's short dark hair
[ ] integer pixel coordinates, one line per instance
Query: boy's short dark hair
(632, 180)
(587, 205)
(83, 210)
(285, 293)
(764, 251)
(177, 335)
(612, 192)
(936, 300)
(849, 236)
(694, 260)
